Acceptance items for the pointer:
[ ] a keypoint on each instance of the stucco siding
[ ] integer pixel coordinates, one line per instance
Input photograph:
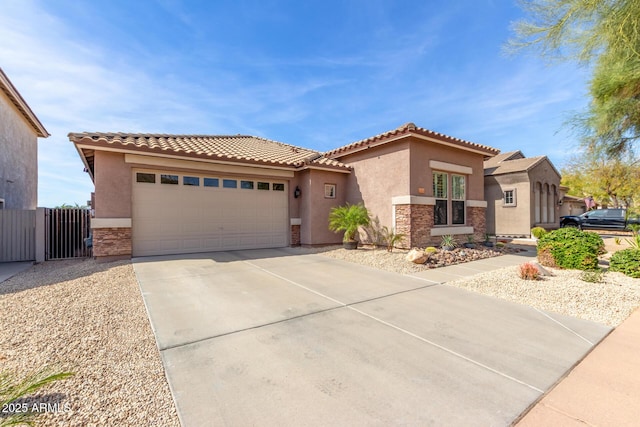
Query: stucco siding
(379, 174)
(508, 220)
(113, 185)
(421, 174)
(315, 207)
(18, 159)
(545, 174)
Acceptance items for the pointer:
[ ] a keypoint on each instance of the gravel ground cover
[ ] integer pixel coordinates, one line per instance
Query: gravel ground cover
(396, 261)
(88, 318)
(608, 302)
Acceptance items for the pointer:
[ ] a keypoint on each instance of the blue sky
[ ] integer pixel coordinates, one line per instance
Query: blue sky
(318, 74)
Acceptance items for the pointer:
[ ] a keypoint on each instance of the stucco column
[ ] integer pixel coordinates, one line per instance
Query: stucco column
(552, 206)
(536, 203)
(545, 199)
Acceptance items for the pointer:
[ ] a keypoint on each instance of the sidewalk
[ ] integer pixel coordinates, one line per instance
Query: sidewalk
(603, 390)
(8, 269)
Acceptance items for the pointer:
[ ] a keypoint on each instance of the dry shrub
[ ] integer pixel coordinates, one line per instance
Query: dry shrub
(545, 257)
(528, 271)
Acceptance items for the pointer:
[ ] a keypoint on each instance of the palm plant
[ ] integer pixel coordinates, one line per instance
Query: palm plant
(390, 237)
(348, 218)
(12, 389)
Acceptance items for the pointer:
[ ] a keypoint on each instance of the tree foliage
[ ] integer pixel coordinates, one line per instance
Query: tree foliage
(604, 34)
(610, 181)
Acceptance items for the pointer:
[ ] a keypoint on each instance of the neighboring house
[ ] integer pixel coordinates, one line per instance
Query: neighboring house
(570, 205)
(19, 132)
(521, 193)
(171, 194)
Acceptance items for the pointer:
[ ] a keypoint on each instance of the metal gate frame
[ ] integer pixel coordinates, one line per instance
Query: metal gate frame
(67, 232)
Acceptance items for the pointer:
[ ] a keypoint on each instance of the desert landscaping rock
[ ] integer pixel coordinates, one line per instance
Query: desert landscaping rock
(417, 256)
(609, 302)
(88, 318)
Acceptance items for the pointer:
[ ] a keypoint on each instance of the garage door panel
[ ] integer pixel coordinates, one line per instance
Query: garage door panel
(170, 219)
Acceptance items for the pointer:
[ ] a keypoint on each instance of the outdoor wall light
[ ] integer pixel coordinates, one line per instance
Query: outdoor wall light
(297, 193)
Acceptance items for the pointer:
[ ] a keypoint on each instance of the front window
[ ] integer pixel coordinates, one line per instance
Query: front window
(441, 195)
(450, 205)
(457, 199)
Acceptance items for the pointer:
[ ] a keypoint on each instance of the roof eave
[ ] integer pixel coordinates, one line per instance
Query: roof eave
(87, 142)
(18, 101)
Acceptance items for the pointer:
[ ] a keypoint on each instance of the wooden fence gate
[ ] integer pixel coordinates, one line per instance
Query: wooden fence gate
(17, 235)
(66, 233)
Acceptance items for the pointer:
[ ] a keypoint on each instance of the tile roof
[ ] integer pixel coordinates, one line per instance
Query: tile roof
(241, 148)
(16, 99)
(510, 155)
(407, 130)
(235, 148)
(512, 166)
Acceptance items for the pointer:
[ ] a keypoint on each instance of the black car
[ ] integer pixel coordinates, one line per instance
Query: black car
(600, 219)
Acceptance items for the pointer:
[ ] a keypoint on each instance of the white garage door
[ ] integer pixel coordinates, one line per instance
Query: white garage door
(176, 213)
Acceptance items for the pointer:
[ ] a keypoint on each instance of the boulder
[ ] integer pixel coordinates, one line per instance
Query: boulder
(541, 270)
(417, 256)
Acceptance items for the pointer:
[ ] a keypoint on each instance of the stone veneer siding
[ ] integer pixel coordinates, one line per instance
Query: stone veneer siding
(477, 218)
(295, 235)
(109, 242)
(415, 222)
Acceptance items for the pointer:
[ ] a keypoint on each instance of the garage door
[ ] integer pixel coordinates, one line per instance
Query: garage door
(176, 213)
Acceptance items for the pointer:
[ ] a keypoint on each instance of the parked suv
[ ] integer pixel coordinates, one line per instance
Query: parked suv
(600, 219)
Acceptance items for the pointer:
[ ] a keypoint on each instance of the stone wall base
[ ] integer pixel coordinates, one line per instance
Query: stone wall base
(112, 242)
(477, 218)
(295, 235)
(416, 222)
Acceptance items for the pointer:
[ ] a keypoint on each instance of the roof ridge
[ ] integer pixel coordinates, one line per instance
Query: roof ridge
(186, 135)
(409, 128)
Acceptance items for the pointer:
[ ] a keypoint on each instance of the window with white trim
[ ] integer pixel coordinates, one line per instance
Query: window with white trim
(509, 197)
(457, 199)
(329, 191)
(441, 195)
(450, 206)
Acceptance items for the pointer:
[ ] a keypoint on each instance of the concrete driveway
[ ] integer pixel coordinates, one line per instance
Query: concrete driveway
(270, 338)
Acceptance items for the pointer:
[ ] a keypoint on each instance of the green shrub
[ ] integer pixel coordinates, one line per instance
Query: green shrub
(538, 232)
(430, 250)
(626, 261)
(570, 248)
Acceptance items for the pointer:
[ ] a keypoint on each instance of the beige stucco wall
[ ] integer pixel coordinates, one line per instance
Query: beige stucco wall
(402, 169)
(508, 220)
(315, 208)
(112, 179)
(518, 220)
(545, 174)
(379, 174)
(422, 175)
(18, 158)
